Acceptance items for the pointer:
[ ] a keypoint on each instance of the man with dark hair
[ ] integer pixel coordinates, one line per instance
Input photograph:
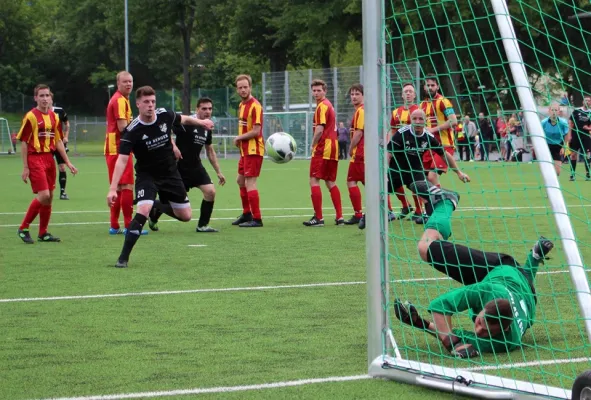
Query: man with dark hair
(498, 293)
(578, 139)
(149, 138)
(190, 140)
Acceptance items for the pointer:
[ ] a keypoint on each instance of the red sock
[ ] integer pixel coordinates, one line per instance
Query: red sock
(418, 204)
(44, 215)
(127, 206)
(115, 209)
(317, 201)
(399, 191)
(244, 198)
(355, 196)
(335, 195)
(389, 203)
(253, 200)
(31, 214)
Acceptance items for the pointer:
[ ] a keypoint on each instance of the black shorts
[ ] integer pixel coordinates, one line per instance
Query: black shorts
(555, 151)
(580, 143)
(397, 179)
(194, 176)
(170, 189)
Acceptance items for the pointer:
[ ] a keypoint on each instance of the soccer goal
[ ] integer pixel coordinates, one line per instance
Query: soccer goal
(6, 145)
(487, 57)
(297, 123)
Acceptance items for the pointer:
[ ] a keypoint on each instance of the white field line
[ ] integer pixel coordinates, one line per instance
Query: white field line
(197, 245)
(301, 382)
(460, 209)
(235, 289)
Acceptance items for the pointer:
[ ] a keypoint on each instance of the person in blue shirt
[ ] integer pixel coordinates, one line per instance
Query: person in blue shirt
(555, 129)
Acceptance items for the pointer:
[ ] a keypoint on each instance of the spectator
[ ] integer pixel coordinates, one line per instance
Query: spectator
(462, 142)
(471, 135)
(344, 140)
(486, 136)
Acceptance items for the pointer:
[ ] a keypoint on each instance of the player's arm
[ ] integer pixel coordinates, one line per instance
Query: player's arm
(357, 135)
(569, 135)
(178, 155)
(449, 159)
(213, 160)
(25, 158)
(256, 130)
(121, 124)
(205, 123)
(451, 120)
(317, 134)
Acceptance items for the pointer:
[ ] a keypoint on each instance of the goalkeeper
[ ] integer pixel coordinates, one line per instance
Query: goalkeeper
(498, 293)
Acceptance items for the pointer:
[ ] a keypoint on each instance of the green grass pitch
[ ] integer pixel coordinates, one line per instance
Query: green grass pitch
(251, 307)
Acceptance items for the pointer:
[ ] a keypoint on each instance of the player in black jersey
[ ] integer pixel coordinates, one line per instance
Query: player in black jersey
(190, 140)
(149, 138)
(405, 158)
(578, 139)
(61, 164)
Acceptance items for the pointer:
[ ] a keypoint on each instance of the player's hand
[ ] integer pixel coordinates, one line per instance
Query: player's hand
(236, 141)
(464, 351)
(72, 168)
(408, 314)
(431, 130)
(221, 179)
(463, 177)
(111, 197)
(207, 124)
(177, 153)
(25, 174)
(562, 151)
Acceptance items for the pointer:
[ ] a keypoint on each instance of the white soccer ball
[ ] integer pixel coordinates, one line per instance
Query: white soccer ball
(281, 147)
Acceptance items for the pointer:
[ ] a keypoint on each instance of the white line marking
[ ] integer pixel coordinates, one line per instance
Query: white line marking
(222, 389)
(235, 289)
(301, 382)
(197, 245)
(529, 364)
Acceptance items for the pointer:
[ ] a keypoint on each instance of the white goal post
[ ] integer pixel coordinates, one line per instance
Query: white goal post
(384, 358)
(6, 145)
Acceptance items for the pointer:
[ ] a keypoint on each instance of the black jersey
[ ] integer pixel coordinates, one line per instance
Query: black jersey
(151, 144)
(190, 140)
(407, 149)
(581, 118)
(61, 113)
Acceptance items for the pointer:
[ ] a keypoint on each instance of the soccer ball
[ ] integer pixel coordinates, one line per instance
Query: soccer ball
(281, 147)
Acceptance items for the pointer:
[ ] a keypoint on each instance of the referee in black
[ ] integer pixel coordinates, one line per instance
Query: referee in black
(578, 139)
(190, 140)
(61, 164)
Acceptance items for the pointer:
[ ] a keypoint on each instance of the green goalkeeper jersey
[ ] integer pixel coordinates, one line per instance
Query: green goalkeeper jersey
(503, 282)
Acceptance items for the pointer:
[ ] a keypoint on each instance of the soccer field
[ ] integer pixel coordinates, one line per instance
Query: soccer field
(277, 312)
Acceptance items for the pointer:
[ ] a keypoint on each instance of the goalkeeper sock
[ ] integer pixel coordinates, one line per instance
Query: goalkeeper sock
(133, 233)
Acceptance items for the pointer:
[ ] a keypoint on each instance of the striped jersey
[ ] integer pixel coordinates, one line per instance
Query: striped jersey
(117, 109)
(328, 146)
(401, 116)
(438, 111)
(40, 131)
(250, 113)
(358, 123)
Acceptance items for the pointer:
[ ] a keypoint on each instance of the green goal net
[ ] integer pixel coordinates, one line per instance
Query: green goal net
(501, 69)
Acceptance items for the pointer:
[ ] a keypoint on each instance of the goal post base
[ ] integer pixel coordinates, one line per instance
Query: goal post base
(472, 384)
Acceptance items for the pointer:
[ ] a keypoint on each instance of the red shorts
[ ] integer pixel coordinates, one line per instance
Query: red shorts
(434, 162)
(127, 178)
(356, 172)
(250, 166)
(325, 170)
(42, 171)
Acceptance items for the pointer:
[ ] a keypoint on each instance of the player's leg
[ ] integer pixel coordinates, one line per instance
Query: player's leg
(556, 157)
(316, 192)
(586, 151)
(252, 170)
(125, 192)
(354, 176)
(62, 176)
(206, 210)
(46, 199)
(330, 168)
(38, 183)
(241, 181)
(575, 147)
(115, 208)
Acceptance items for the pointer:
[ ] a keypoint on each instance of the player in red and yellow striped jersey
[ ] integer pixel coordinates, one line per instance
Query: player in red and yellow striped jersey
(41, 135)
(356, 171)
(252, 149)
(118, 117)
(325, 156)
(441, 122)
(400, 118)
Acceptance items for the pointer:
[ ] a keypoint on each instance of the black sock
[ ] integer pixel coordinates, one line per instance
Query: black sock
(155, 214)
(573, 166)
(62, 179)
(133, 233)
(205, 214)
(587, 161)
(165, 208)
